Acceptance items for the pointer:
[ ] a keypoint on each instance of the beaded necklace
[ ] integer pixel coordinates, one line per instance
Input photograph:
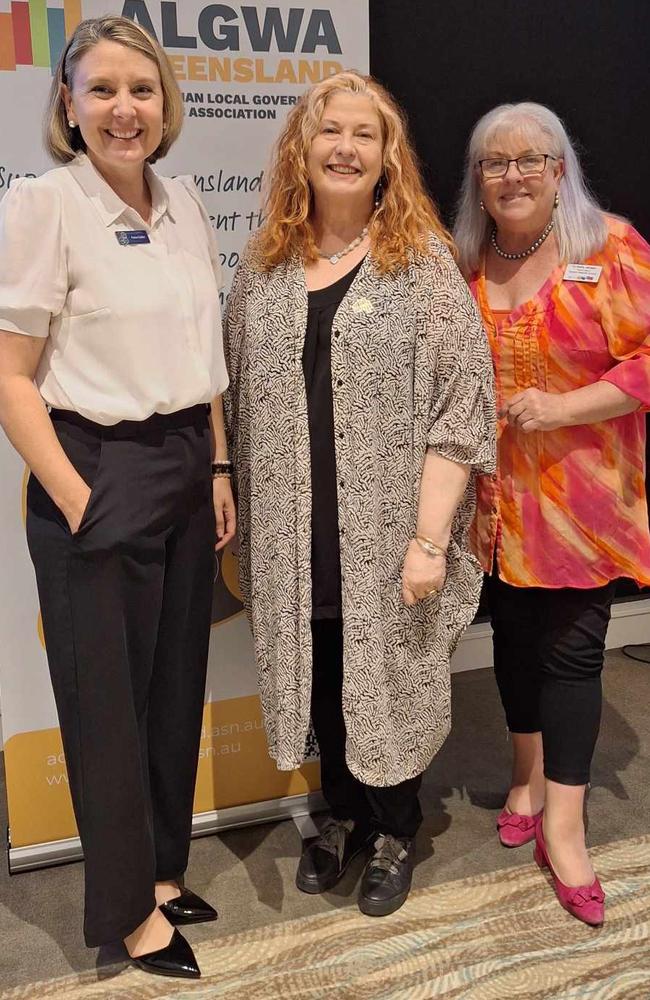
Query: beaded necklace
(523, 253)
(334, 258)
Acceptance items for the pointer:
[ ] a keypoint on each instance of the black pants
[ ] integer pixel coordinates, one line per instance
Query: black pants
(548, 658)
(126, 607)
(394, 809)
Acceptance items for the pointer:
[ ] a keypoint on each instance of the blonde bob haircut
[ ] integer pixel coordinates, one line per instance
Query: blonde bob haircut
(62, 142)
(405, 216)
(580, 225)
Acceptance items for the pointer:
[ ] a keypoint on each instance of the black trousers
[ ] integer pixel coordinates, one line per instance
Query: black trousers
(394, 809)
(126, 607)
(548, 659)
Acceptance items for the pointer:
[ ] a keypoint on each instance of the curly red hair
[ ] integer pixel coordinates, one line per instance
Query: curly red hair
(405, 216)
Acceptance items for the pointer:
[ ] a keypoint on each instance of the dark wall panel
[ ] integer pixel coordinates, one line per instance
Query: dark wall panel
(449, 62)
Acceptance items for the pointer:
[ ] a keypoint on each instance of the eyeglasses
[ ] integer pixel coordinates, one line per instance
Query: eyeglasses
(532, 163)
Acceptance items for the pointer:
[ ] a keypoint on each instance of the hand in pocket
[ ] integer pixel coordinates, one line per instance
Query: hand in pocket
(74, 510)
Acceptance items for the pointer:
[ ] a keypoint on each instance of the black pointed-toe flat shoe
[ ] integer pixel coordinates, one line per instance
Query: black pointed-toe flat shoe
(175, 959)
(188, 908)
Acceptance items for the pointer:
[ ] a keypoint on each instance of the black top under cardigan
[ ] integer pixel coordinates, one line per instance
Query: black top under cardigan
(316, 362)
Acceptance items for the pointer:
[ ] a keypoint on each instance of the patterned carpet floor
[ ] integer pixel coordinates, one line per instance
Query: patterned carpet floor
(490, 937)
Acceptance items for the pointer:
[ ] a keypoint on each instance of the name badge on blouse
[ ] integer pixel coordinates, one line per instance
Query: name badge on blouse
(583, 272)
(132, 237)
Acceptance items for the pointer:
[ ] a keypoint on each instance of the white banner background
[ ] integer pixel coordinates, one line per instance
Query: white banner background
(240, 73)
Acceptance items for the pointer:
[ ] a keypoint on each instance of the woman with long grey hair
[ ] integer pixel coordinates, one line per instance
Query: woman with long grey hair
(564, 292)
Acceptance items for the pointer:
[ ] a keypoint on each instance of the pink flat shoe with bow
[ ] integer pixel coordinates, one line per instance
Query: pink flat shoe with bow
(585, 902)
(515, 829)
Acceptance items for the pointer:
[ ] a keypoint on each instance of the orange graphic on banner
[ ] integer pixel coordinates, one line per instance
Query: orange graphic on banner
(34, 34)
(37, 789)
(72, 14)
(234, 765)
(7, 46)
(234, 769)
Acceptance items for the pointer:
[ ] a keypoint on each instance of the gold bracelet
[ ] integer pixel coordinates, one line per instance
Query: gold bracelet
(430, 547)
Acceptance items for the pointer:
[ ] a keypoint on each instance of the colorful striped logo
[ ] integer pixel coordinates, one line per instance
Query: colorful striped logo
(33, 34)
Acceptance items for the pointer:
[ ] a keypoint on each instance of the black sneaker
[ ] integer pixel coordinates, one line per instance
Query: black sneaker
(386, 881)
(325, 858)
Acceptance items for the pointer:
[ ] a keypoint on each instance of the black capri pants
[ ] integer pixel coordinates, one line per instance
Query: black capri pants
(548, 658)
(126, 606)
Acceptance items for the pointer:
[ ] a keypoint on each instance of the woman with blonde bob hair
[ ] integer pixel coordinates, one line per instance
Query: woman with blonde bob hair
(112, 370)
(564, 292)
(64, 141)
(360, 403)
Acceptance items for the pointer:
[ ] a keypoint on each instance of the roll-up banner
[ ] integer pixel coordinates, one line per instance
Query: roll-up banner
(241, 68)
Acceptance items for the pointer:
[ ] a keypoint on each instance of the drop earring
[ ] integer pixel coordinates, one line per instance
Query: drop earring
(557, 199)
(379, 193)
(482, 206)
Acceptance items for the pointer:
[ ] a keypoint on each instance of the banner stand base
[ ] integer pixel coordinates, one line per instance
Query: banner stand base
(58, 852)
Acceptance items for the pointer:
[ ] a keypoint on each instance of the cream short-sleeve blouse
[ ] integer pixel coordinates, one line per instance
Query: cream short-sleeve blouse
(133, 324)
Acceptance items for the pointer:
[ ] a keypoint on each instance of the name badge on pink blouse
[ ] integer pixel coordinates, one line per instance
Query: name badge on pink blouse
(583, 272)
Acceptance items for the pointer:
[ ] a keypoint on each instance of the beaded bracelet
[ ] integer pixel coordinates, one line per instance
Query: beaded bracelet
(430, 547)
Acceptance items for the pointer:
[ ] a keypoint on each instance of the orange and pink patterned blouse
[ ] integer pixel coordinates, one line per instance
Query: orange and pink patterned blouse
(567, 508)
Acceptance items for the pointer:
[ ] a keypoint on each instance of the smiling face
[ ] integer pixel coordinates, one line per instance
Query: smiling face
(116, 99)
(345, 156)
(520, 203)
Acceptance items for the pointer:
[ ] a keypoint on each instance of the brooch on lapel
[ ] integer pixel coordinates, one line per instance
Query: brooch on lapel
(362, 306)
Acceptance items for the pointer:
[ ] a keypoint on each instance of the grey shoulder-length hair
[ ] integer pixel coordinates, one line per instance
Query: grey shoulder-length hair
(580, 224)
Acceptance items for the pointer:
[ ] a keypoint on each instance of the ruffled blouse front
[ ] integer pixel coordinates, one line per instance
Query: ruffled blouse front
(567, 508)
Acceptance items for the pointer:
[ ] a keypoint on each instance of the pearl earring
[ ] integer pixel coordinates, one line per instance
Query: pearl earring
(71, 123)
(482, 204)
(379, 193)
(557, 199)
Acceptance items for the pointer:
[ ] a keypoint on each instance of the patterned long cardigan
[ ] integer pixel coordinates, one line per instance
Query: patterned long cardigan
(410, 370)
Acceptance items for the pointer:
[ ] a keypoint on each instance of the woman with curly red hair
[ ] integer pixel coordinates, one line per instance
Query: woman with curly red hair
(360, 402)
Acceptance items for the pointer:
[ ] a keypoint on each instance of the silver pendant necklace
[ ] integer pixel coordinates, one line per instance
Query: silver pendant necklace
(334, 258)
(524, 253)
